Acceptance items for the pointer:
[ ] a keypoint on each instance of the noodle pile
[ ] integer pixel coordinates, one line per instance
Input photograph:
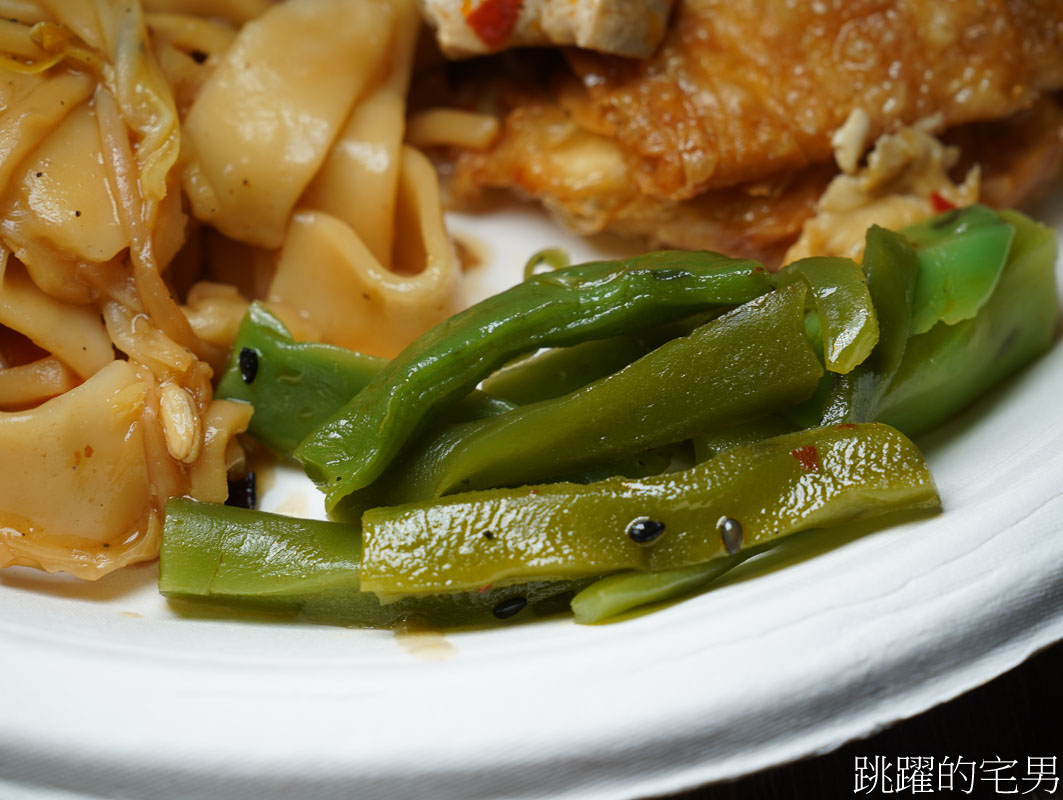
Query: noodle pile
(159, 169)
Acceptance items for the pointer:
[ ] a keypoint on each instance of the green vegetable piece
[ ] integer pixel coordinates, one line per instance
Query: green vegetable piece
(615, 594)
(737, 500)
(749, 362)
(892, 269)
(950, 366)
(254, 561)
(545, 260)
(295, 385)
(961, 254)
(707, 445)
(558, 308)
(848, 325)
(556, 372)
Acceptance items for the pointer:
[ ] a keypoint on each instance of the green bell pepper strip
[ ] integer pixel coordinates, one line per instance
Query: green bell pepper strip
(292, 383)
(892, 269)
(707, 445)
(961, 255)
(545, 260)
(295, 386)
(558, 371)
(254, 561)
(769, 489)
(615, 594)
(752, 361)
(947, 368)
(597, 300)
(848, 325)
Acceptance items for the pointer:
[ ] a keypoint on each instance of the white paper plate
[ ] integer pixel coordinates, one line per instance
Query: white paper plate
(107, 693)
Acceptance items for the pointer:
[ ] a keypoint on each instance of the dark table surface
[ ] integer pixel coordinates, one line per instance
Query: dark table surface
(974, 739)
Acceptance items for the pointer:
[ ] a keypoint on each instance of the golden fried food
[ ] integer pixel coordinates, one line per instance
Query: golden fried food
(724, 137)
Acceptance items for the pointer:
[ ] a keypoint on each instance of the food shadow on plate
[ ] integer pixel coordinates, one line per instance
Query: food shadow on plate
(114, 586)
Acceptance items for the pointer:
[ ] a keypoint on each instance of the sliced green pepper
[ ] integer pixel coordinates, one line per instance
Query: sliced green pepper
(558, 308)
(292, 385)
(961, 255)
(707, 445)
(295, 386)
(752, 361)
(892, 269)
(847, 321)
(556, 372)
(255, 561)
(950, 366)
(739, 499)
(615, 594)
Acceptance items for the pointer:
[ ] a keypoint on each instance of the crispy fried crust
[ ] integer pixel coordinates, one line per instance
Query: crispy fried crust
(579, 177)
(743, 89)
(722, 139)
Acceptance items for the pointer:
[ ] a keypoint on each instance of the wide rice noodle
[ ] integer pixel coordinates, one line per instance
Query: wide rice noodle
(159, 169)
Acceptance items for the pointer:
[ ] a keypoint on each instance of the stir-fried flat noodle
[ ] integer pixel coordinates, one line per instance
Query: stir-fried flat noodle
(160, 168)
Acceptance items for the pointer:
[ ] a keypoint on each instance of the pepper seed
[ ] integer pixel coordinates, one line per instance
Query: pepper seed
(248, 364)
(243, 492)
(510, 606)
(645, 530)
(731, 534)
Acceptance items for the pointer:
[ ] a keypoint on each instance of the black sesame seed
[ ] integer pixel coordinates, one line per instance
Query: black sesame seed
(645, 530)
(731, 534)
(510, 606)
(248, 364)
(243, 492)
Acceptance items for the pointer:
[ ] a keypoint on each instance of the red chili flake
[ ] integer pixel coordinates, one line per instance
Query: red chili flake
(533, 492)
(940, 203)
(808, 456)
(845, 426)
(485, 588)
(88, 451)
(493, 21)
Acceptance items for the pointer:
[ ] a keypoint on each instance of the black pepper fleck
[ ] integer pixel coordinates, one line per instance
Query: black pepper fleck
(248, 364)
(198, 56)
(488, 535)
(509, 607)
(645, 530)
(731, 534)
